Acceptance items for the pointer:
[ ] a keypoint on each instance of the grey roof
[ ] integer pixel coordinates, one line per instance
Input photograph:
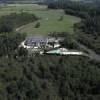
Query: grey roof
(36, 39)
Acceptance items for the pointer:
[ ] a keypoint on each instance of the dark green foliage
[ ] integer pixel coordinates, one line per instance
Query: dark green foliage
(59, 77)
(69, 42)
(45, 77)
(37, 25)
(10, 22)
(22, 52)
(9, 42)
(89, 32)
(6, 27)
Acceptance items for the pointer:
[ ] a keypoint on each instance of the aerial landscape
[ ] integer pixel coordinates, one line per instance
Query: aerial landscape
(49, 49)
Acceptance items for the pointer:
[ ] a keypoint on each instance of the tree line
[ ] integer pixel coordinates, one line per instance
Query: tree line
(10, 22)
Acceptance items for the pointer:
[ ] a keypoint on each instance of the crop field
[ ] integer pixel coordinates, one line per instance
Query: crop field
(50, 20)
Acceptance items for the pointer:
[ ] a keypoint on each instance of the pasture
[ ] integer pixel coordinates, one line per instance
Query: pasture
(50, 20)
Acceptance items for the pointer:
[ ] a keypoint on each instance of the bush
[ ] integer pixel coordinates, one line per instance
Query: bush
(37, 25)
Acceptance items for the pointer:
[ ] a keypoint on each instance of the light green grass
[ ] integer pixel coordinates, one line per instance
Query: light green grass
(52, 24)
(49, 18)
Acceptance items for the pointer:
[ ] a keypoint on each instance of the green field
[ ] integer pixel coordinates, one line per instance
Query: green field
(49, 21)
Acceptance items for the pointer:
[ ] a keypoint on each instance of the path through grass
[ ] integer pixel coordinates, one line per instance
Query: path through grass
(49, 21)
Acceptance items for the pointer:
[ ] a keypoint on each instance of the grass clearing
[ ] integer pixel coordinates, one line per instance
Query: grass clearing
(49, 21)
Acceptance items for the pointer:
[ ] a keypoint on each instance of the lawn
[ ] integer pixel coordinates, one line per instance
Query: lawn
(49, 21)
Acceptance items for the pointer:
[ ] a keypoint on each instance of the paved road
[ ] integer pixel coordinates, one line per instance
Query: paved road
(92, 54)
(25, 26)
(21, 27)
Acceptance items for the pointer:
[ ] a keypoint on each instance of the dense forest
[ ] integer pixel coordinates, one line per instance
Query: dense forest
(45, 77)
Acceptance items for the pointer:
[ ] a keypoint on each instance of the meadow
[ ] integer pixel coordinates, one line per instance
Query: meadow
(49, 19)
